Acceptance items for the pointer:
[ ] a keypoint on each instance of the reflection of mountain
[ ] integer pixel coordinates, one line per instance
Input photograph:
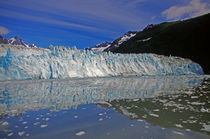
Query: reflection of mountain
(17, 97)
(189, 111)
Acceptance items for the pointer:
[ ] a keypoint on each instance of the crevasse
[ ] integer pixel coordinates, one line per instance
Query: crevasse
(17, 63)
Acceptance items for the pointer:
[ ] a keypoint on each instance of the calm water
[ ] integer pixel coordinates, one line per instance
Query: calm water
(114, 108)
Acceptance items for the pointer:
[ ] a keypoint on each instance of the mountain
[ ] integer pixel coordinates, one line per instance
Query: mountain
(116, 43)
(187, 39)
(16, 41)
(108, 46)
(3, 40)
(100, 47)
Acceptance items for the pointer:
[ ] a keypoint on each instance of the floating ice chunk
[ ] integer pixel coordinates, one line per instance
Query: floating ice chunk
(127, 113)
(156, 110)
(154, 115)
(178, 133)
(43, 126)
(188, 130)
(139, 120)
(179, 125)
(146, 126)
(21, 133)
(24, 123)
(10, 134)
(131, 125)
(193, 97)
(36, 123)
(80, 133)
(104, 103)
(197, 103)
(206, 128)
(5, 123)
(135, 100)
(101, 119)
(204, 110)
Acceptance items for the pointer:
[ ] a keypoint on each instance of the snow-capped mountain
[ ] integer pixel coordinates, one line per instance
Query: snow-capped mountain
(100, 47)
(116, 43)
(124, 38)
(107, 46)
(16, 41)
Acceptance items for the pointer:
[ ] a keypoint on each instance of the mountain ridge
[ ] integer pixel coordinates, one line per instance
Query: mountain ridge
(16, 41)
(107, 46)
(188, 39)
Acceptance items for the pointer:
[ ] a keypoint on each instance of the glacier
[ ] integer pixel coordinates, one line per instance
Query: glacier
(20, 63)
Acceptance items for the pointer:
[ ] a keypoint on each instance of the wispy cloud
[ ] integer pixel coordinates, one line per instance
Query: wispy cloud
(94, 12)
(194, 8)
(4, 30)
(20, 15)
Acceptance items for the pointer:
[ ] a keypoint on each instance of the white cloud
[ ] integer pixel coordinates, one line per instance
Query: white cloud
(3, 30)
(193, 9)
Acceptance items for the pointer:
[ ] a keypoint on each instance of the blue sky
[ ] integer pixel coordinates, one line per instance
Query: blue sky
(84, 23)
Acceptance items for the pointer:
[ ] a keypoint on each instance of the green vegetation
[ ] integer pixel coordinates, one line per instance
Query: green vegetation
(187, 39)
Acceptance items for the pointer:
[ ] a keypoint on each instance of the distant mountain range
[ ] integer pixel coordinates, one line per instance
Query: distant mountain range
(16, 41)
(187, 39)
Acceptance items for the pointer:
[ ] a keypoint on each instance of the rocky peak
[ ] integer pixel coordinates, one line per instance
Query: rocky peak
(150, 26)
(3, 40)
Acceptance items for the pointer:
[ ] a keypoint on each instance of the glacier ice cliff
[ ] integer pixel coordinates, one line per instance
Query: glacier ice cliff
(17, 63)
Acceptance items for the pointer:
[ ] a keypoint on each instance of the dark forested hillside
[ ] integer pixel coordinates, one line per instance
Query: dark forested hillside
(189, 39)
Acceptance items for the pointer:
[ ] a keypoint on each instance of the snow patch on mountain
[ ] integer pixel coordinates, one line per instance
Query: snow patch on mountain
(100, 47)
(144, 40)
(126, 37)
(106, 46)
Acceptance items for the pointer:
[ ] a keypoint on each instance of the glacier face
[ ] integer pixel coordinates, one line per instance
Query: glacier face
(17, 63)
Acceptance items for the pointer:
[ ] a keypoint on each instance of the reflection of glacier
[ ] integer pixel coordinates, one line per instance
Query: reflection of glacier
(60, 62)
(17, 97)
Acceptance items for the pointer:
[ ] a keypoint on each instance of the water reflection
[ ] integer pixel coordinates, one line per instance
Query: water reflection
(120, 107)
(18, 97)
(189, 110)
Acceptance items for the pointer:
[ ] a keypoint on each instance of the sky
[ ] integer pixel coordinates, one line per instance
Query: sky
(85, 23)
